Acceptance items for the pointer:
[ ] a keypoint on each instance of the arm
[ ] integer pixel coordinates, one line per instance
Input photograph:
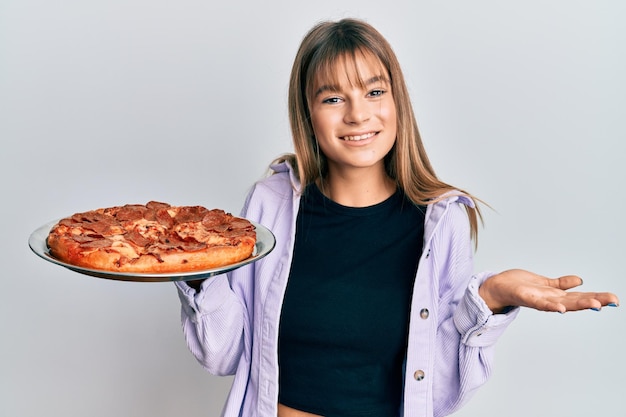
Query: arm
(467, 330)
(474, 316)
(213, 322)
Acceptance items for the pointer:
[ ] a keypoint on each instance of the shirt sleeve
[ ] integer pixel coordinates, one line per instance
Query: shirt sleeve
(478, 326)
(467, 329)
(212, 321)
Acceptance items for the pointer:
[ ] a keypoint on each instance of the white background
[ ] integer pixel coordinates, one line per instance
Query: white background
(112, 102)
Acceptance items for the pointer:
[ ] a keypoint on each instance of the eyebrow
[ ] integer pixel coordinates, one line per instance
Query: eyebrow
(328, 87)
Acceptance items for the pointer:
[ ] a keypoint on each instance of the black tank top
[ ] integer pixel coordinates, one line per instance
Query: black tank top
(344, 322)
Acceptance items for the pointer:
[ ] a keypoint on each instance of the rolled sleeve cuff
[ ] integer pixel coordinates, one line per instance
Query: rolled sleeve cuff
(213, 293)
(476, 323)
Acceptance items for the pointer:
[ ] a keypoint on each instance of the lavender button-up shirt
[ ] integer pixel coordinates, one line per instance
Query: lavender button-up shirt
(231, 323)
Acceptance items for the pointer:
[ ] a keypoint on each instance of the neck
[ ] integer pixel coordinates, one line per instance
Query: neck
(357, 188)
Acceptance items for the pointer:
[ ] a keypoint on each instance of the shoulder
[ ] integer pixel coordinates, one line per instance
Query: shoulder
(447, 217)
(272, 192)
(280, 183)
(452, 204)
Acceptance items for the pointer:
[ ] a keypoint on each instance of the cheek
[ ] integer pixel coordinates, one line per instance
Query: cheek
(320, 134)
(388, 114)
(391, 121)
(322, 125)
(391, 114)
(315, 122)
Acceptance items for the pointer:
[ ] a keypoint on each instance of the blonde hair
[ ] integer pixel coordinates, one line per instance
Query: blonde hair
(407, 163)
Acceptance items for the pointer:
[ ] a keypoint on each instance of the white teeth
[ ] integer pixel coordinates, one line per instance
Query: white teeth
(360, 137)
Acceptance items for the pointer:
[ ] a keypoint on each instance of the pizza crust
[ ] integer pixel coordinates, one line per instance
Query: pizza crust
(152, 238)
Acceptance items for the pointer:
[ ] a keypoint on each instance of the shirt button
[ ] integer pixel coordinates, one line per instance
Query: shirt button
(424, 313)
(419, 375)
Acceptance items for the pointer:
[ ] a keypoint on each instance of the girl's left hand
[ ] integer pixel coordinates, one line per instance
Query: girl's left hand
(521, 288)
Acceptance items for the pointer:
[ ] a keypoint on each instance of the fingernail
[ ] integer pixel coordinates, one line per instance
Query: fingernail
(613, 305)
(594, 309)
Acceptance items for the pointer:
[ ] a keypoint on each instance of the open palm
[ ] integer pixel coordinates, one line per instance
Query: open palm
(522, 288)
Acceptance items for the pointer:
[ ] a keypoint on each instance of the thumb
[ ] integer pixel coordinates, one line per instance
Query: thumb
(566, 282)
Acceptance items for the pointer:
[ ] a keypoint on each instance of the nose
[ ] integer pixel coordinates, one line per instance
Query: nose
(357, 111)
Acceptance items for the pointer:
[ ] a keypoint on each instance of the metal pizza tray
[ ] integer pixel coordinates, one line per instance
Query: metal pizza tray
(265, 242)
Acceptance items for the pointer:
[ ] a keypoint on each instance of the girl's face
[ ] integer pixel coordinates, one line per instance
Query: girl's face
(354, 122)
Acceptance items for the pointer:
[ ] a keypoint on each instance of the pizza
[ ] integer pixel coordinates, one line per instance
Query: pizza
(152, 238)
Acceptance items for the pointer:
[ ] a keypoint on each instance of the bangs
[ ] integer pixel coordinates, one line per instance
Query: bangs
(329, 69)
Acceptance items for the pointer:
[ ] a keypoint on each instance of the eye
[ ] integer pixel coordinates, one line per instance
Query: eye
(331, 100)
(376, 92)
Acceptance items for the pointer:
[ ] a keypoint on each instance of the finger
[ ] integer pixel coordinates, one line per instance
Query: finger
(575, 301)
(553, 306)
(605, 298)
(545, 303)
(566, 282)
(581, 303)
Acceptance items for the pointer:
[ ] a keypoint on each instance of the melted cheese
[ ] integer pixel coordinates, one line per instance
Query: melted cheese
(124, 248)
(149, 229)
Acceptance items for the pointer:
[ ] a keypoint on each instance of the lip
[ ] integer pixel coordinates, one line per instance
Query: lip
(359, 137)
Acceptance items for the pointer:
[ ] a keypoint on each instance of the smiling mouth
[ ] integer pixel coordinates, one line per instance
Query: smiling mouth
(359, 137)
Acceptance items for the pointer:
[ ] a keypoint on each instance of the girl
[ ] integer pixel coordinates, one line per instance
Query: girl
(367, 306)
